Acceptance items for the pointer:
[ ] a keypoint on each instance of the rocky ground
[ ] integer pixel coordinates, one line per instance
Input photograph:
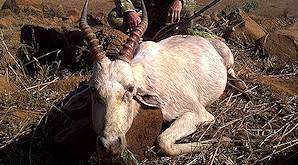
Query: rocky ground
(43, 58)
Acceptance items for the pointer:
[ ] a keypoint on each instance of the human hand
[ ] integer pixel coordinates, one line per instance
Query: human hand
(133, 19)
(175, 10)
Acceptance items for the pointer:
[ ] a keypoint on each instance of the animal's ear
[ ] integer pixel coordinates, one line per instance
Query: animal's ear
(78, 100)
(148, 99)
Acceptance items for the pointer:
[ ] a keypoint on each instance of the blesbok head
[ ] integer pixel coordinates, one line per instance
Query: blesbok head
(113, 88)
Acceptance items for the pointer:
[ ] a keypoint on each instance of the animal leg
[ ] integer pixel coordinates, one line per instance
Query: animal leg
(182, 127)
(228, 59)
(236, 81)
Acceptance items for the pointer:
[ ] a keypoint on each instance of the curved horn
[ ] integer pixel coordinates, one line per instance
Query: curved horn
(131, 43)
(96, 49)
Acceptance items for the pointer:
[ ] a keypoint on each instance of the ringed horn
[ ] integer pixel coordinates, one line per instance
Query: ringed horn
(96, 49)
(128, 48)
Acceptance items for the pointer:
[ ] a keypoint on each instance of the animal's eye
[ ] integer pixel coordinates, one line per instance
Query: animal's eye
(128, 93)
(130, 88)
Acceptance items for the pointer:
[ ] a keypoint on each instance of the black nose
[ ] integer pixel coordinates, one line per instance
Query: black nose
(112, 146)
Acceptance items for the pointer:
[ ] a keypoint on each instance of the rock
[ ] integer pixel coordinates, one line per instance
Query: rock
(286, 85)
(252, 30)
(283, 44)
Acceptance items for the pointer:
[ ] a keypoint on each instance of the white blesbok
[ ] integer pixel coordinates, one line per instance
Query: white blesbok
(179, 75)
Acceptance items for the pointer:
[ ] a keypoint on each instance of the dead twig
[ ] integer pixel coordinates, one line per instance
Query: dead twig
(43, 84)
(277, 152)
(17, 76)
(57, 51)
(8, 52)
(5, 114)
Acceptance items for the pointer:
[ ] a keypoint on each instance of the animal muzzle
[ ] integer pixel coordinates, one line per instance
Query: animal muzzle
(112, 145)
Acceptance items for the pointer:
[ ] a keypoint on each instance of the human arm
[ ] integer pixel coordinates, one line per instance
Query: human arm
(128, 10)
(133, 18)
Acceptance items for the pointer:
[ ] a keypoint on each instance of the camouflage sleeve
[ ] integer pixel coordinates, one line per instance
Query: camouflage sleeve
(124, 5)
(189, 5)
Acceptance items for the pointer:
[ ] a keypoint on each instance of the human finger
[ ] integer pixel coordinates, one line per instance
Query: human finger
(135, 23)
(178, 15)
(172, 16)
(139, 20)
